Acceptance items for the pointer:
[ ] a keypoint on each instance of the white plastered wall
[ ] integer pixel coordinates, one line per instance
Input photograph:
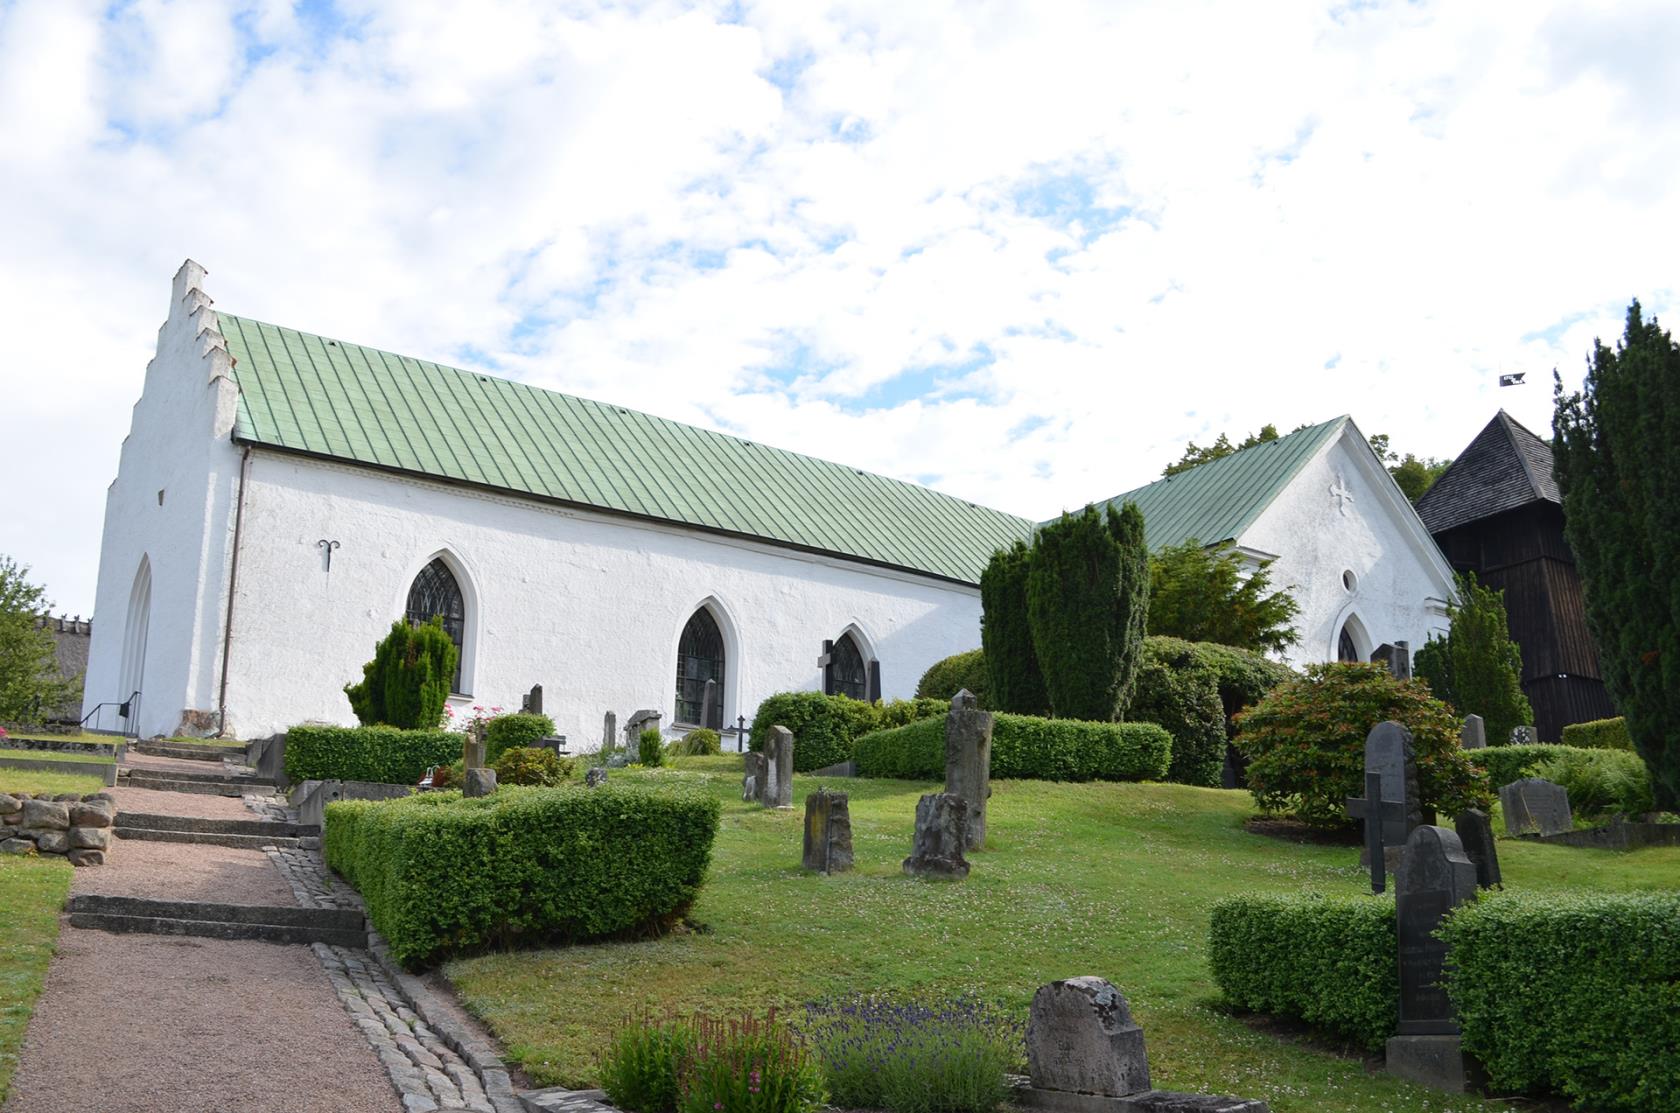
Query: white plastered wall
(588, 605)
(171, 504)
(1401, 581)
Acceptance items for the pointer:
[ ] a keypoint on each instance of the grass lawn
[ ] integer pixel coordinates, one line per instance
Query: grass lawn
(32, 890)
(37, 780)
(1109, 879)
(8, 755)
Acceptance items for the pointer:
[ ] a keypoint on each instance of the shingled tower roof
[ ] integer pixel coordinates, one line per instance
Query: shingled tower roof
(1504, 468)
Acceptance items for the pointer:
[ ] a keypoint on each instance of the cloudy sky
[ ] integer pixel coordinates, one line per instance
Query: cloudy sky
(1018, 251)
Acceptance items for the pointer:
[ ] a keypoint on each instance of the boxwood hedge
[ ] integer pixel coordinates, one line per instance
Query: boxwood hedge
(1600, 734)
(825, 727)
(1028, 748)
(443, 875)
(387, 755)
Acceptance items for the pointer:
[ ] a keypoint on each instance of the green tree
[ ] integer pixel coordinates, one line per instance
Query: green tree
(1013, 680)
(407, 682)
(1485, 664)
(1195, 455)
(1616, 455)
(1413, 474)
(29, 680)
(1087, 597)
(1201, 594)
(1433, 664)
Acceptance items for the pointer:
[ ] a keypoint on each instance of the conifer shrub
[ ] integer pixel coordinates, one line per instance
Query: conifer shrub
(944, 679)
(650, 748)
(442, 875)
(506, 731)
(1014, 681)
(1025, 747)
(1305, 743)
(1476, 667)
(382, 754)
(1087, 598)
(1178, 691)
(407, 683)
(1600, 734)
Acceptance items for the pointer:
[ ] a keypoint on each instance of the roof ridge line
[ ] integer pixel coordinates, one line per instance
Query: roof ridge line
(1510, 425)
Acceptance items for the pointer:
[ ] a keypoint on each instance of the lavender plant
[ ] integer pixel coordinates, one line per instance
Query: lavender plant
(914, 1056)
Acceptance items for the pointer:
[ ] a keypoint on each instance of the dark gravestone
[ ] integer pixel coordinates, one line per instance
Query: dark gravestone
(828, 832)
(1434, 877)
(1534, 804)
(711, 712)
(531, 704)
(752, 783)
(778, 754)
(941, 833)
(1395, 808)
(1474, 734)
(609, 734)
(1398, 658)
(968, 761)
(1475, 832)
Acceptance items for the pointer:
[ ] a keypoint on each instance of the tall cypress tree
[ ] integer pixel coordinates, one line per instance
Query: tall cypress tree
(1087, 599)
(1484, 665)
(1015, 683)
(1616, 453)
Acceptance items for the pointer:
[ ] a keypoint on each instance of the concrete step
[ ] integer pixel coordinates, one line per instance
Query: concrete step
(269, 923)
(208, 838)
(187, 752)
(270, 827)
(201, 788)
(218, 776)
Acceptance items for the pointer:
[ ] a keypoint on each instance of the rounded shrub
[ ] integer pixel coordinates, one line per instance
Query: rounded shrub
(1305, 743)
(650, 748)
(698, 742)
(946, 678)
(824, 727)
(522, 729)
(1178, 691)
(525, 765)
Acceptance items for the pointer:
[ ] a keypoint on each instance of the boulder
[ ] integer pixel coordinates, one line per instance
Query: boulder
(479, 782)
(90, 838)
(44, 815)
(17, 846)
(52, 842)
(98, 813)
(595, 777)
(66, 798)
(9, 804)
(87, 857)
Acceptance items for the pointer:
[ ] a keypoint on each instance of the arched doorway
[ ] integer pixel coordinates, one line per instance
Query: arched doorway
(700, 658)
(436, 593)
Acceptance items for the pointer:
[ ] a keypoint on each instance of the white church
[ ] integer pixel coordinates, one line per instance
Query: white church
(282, 498)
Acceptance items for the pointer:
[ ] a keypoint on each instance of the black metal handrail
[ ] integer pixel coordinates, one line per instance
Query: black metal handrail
(128, 710)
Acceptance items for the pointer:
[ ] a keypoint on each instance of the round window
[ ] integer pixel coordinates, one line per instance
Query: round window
(1350, 581)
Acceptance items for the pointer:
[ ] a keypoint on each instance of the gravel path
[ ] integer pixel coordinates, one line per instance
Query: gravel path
(195, 804)
(185, 871)
(173, 764)
(154, 1024)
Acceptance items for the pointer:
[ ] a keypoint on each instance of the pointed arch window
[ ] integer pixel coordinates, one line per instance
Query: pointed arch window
(700, 659)
(1346, 650)
(436, 593)
(847, 673)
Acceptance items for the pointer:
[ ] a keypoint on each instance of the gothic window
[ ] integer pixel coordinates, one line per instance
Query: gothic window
(847, 674)
(1345, 649)
(436, 594)
(699, 659)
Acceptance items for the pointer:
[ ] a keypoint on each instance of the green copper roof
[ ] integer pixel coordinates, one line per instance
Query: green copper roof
(304, 393)
(1217, 501)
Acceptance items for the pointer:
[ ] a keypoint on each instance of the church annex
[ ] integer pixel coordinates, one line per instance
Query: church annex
(283, 497)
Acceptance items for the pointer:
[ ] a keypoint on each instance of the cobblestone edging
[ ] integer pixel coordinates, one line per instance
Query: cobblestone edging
(307, 874)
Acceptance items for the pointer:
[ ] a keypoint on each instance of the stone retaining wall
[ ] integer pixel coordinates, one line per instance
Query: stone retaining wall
(46, 742)
(105, 771)
(77, 827)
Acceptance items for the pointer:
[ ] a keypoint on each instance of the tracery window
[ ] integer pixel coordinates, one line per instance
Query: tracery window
(848, 675)
(699, 659)
(435, 593)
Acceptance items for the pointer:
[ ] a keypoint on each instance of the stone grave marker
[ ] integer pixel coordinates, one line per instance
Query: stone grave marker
(531, 703)
(941, 834)
(1474, 734)
(1398, 658)
(1435, 876)
(1475, 831)
(596, 776)
(479, 782)
(968, 762)
(828, 832)
(778, 752)
(609, 735)
(645, 719)
(1537, 805)
(472, 751)
(1524, 736)
(1390, 807)
(752, 782)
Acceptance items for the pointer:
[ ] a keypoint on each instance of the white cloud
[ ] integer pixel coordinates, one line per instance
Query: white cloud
(1021, 251)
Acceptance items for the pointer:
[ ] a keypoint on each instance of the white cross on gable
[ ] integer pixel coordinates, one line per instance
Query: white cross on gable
(1339, 490)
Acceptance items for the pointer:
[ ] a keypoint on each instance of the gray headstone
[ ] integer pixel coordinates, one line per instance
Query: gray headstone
(472, 751)
(532, 703)
(941, 833)
(968, 761)
(1537, 805)
(644, 719)
(1388, 751)
(1081, 1038)
(752, 783)
(778, 750)
(1475, 832)
(828, 832)
(609, 735)
(1474, 734)
(595, 777)
(479, 782)
(1435, 876)
(711, 714)
(1398, 658)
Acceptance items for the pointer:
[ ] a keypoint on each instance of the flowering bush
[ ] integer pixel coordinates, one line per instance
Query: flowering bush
(914, 1057)
(704, 1065)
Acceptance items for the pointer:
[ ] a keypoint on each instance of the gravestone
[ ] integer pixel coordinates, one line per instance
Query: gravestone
(752, 783)
(531, 704)
(595, 777)
(1535, 804)
(645, 719)
(711, 713)
(472, 751)
(968, 761)
(1434, 877)
(828, 832)
(1390, 807)
(1524, 736)
(1398, 658)
(1474, 734)
(941, 833)
(778, 778)
(1086, 1055)
(479, 782)
(609, 735)
(1475, 832)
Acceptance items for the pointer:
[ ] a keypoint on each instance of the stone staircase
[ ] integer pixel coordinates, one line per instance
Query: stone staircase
(267, 923)
(223, 783)
(186, 751)
(247, 834)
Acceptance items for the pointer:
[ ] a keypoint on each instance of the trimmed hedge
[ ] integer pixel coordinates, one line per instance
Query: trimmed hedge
(1027, 748)
(1600, 734)
(1577, 994)
(1330, 961)
(443, 875)
(383, 754)
(944, 679)
(826, 727)
(507, 731)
